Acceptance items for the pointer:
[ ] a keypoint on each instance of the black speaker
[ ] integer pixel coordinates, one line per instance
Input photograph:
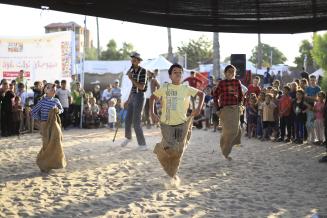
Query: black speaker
(239, 61)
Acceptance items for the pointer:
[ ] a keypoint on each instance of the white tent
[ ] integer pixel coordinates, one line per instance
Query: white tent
(122, 67)
(317, 73)
(101, 68)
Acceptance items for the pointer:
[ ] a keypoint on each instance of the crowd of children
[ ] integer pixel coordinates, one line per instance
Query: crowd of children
(296, 113)
(96, 110)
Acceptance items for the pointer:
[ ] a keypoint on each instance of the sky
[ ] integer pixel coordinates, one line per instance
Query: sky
(149, 41)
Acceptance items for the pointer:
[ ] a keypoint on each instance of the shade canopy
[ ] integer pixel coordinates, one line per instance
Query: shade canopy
(238, 16)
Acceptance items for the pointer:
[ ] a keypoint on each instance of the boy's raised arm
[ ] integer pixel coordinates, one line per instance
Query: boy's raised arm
(197, 111)
(154, 117)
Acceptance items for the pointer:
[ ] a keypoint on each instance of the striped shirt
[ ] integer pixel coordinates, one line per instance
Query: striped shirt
(139, 75)
(41, 110)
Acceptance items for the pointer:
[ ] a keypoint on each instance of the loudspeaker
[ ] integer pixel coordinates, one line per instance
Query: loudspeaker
(239, 61)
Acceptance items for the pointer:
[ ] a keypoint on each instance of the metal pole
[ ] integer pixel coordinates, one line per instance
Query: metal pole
(185, 61)
(98, 38)
(82, 75)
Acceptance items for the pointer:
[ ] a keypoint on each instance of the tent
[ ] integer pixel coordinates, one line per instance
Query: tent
(160, 63)
(319, 72)
(104, 72)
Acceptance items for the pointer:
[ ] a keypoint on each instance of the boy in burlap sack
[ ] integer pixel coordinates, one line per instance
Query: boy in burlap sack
(47, 110)
(175, 125)
(228, 97)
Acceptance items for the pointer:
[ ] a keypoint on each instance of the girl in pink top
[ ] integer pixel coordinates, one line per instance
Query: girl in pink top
(319, 108)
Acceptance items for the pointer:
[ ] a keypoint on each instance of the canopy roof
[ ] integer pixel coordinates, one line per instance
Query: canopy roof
(238, 16)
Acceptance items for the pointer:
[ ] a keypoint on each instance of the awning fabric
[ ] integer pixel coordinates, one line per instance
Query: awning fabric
(238, 16)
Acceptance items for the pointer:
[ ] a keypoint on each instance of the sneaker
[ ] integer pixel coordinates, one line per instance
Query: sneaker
(143, 147)
(299, 141)
(323, 159)
(279, 140)
(125, 142)
(287, 140)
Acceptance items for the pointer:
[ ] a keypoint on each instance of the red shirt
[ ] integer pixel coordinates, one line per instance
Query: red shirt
(228, 92)
(253, 89)
(285, 105)
(193, 81)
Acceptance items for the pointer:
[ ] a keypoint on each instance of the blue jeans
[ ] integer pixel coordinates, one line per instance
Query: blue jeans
(299, 129)
(134, 115)
(259, 126)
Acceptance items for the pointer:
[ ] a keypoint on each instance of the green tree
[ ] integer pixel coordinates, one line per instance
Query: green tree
(226, 60)
(114, 53)
(91, 54)
(196, 51)
(277, 56)
(305, 50)
(319, 54)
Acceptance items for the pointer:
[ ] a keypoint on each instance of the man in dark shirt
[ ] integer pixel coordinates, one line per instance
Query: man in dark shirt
(135, 102)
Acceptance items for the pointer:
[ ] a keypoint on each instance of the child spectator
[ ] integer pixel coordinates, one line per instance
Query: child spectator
(299, 116)
(193, 82)
(268, 119)
(208, 108)
(38, 92)
(65, 99)
(320, 115)
(310, 117)
(252, 114)
(87, 114)
(17, 116)
(285, 109)
(303, 84)
(103, 114)
(95, 112)
(112, 113)
(21, 92)
(254, 87)
(77, 95)
(294, 88)
(312, 91)
(261, 100)
(6, 99)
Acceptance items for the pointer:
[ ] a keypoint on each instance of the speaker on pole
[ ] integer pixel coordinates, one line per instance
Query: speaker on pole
(239, 61)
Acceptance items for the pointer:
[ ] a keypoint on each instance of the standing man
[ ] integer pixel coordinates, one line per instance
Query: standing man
(64, 96)
(135, 102)
(21, 79)
(193, 82)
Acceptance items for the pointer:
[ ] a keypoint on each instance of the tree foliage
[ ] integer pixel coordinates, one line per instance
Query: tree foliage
(114, 53)
(196, 51)
(319, 54)
(91, 54)
(305, 50)
(277, 56)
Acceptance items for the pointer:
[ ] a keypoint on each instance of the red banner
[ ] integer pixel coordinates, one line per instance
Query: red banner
(13, 74)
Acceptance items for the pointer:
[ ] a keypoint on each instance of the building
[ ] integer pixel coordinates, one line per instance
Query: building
(79, 35)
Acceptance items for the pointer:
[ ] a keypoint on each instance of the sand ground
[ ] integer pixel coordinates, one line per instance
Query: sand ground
(265, 179)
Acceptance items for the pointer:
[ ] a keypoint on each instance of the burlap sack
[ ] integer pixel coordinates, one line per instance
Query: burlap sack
(51, 155)
(231, 130)
(172, 146)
